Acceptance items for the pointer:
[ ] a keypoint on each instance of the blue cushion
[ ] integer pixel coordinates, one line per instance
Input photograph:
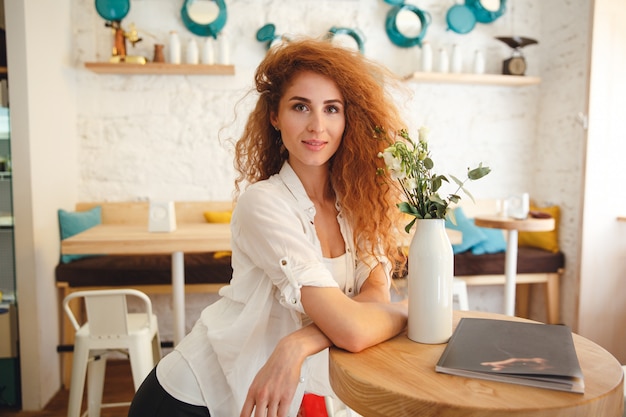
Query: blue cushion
(493, 244)
(71, 223)
(472, 234)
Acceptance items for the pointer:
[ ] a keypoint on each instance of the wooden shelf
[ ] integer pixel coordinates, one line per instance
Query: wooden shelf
(159, 68)
(485, 79)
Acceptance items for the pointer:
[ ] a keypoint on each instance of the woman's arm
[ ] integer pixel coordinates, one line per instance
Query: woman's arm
(350, 324)
(275, 384)
(375, 288)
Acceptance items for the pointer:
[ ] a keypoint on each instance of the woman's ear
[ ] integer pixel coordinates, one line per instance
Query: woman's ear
(274, 120)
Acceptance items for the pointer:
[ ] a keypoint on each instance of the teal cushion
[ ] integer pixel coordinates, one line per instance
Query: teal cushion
(71, 223)
(493, 244)
(472, 234)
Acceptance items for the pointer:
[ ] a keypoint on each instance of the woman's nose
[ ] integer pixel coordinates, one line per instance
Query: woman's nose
(316, 122)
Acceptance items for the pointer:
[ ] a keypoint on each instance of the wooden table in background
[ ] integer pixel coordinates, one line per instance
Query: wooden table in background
(397, 378)
(513, 226)
(119, 239)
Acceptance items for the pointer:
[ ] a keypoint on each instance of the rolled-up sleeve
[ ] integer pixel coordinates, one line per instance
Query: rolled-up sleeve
(280, 241)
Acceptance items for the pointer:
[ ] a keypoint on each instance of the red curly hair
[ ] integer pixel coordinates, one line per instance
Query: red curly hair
(367, 199)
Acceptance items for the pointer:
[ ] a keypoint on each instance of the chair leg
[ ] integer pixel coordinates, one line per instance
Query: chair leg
(77, 383)
(95, 384)
(141, 360)
(552, 298)
(330, 407)
(522, 300)
(156, 349)
(459, 288)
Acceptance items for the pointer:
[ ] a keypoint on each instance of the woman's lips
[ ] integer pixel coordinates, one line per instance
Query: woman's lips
(314, 144)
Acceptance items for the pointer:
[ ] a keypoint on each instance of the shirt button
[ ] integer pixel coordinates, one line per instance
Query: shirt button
(301, 379)
(294, 301)
(283, 262)
(349, 290)
(348, 250)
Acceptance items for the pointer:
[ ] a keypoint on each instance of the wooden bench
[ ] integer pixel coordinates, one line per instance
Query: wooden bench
(151, 274)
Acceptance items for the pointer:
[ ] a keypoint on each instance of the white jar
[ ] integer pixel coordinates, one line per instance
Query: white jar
(191, 55)
(456, 65)
(224, 48)
(174, 48)
(444, 62)
(427, 57)
(208, 53)
(479, 62)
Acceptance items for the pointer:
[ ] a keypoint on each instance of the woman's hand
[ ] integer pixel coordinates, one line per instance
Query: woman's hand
(275, 384)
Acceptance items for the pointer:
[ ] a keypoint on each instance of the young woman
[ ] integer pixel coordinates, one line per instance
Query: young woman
(313, 244)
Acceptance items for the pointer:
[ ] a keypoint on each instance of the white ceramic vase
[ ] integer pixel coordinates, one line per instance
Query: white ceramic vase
(431, 267)
(174, 48)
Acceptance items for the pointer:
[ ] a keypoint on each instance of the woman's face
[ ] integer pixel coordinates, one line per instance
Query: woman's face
(311, 118)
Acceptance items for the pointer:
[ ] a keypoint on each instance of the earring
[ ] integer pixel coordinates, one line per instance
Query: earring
(276, 128)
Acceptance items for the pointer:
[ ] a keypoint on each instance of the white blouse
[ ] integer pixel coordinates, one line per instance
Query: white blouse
(275, 252)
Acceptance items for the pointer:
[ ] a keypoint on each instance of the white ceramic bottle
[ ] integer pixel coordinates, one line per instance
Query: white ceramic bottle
(427, 57)
(431, 270)
(479, 62)
(224, 49)
(208, 53)
(456, 65)
(174, 48)
(444, 61)
(191, 55)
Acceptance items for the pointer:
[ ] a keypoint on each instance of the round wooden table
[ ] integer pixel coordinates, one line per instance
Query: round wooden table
(510, 261)
(397, 378)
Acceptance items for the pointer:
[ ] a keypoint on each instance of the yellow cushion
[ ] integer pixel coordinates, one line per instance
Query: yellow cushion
(218, 216)
(543, 240)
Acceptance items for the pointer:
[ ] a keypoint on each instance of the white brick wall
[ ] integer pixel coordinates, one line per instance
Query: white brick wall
(159, 136)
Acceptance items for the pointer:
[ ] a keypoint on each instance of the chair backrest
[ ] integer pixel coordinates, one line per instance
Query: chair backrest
(107, 310)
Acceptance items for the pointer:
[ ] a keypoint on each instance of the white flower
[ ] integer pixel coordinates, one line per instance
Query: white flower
(423, 133)
(410, 184)
(394, 165)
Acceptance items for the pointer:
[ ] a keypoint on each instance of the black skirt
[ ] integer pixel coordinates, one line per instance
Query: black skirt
(151, 400)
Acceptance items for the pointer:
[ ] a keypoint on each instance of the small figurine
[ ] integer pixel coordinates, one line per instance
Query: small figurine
(113, 11)
(119, 45)
(516, 64)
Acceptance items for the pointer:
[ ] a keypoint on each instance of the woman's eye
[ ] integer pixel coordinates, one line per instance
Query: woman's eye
(300, 107)
(333, 109)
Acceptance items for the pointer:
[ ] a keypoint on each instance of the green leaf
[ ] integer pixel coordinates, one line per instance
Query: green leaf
(407, 208)
(478, 173)
(408, 227)
(456, 180)
(436, 184)
(469, 194)
(454, 198)
(452, 217)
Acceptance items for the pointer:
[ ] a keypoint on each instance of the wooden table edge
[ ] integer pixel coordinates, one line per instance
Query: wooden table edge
(509, 223)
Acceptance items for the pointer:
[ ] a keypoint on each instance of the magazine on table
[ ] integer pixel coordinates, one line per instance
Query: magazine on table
(525, 353)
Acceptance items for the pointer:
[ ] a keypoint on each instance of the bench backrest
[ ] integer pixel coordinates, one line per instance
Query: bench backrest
(137, 212)
(480, 207)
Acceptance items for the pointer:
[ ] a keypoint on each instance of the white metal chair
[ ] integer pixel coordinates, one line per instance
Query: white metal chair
(459, 291)
(109, 327)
